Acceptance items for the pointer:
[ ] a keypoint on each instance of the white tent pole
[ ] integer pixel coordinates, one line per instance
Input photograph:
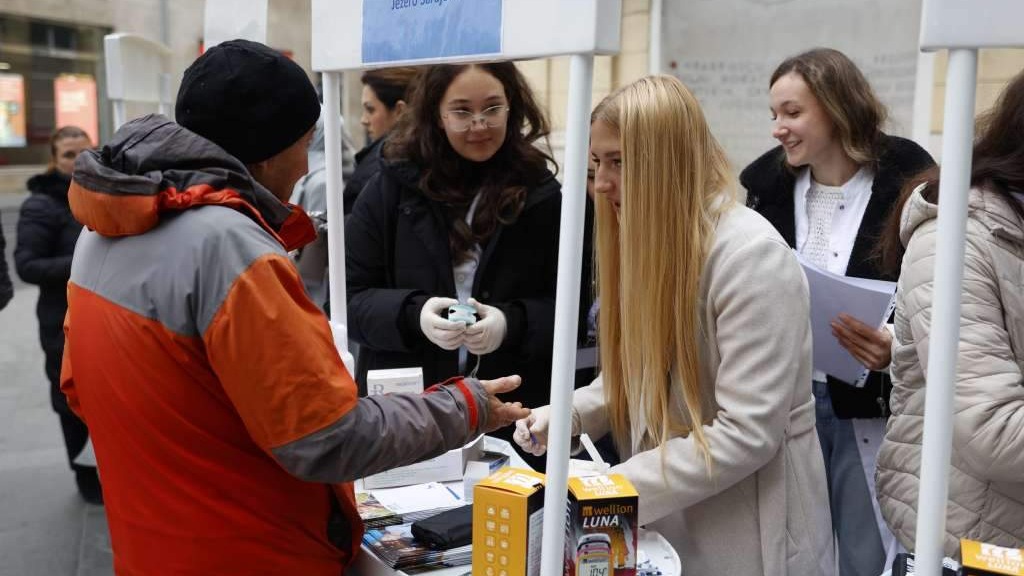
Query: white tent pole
(924, 90)
(655, 41)
(567, 302)
(336, 217)
(166, 100)
(120, 116)
(958, 140)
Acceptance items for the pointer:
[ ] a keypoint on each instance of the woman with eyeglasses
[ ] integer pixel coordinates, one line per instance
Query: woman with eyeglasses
(464, 210)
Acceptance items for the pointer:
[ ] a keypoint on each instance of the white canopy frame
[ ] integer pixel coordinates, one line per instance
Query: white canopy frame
(579, 28)
(138, 70)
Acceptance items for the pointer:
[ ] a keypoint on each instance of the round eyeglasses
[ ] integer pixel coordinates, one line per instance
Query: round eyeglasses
(463, 120)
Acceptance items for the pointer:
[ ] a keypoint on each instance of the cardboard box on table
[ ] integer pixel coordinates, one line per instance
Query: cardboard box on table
(447, 467)
(980, 559)
(508, 510)
(601, 526)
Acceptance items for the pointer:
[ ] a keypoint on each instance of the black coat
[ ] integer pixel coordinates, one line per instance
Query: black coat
(397, 256)
(6, 287)
(47, 233)
(368, 162)
(588, 287)
(770, 186)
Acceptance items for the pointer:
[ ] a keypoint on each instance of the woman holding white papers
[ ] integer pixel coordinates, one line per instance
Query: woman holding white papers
(986, 481)
(827, 189)
(703, 385)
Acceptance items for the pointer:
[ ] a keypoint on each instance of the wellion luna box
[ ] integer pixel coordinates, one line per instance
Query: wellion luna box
(979, 559)
(600, 527)
(508, 514)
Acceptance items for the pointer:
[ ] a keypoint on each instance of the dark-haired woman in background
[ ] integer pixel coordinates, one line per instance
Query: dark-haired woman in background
(465, 210)
(384, 96)
(986, 480)
(47, 233)
(827, 190)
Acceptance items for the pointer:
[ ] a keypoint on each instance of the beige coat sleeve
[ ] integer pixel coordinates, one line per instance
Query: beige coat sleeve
(588, 404)
(988, 422)
(758, 300)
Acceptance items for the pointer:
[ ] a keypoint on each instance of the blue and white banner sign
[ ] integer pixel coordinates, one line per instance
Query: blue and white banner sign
(404, 30)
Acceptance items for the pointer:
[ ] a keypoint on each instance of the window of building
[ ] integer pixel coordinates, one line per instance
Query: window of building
(49, 72)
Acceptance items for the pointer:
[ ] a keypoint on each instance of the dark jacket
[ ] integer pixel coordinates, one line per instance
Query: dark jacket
(6, 288)
(397, 256)
(586, 343)
(47, 233)
(770, 183)
(368, 162)
(193, 348)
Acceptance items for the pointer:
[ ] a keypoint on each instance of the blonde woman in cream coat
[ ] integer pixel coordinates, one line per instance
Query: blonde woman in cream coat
(706, 321)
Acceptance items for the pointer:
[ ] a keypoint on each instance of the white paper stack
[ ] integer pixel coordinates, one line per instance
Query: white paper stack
(870, 301)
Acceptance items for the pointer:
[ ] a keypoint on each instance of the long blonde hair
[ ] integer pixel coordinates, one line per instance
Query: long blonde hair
(676, 182)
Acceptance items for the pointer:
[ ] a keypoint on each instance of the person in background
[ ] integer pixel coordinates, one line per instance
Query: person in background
(463, 210)
(221, 412)
(703, 386)
(827, 189)
(311, 190)
(6, 287)
(47, 232)
(986, 478)
(384, 96)
(311, 194)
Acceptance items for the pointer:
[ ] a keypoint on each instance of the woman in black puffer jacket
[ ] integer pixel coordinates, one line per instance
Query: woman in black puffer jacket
(47, 233)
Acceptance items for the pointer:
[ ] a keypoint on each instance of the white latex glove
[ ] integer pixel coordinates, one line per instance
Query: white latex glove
(484, 336)
(531, 433)
(441, 331)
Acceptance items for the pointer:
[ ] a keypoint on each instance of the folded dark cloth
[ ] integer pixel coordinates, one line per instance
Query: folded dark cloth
(448, 529)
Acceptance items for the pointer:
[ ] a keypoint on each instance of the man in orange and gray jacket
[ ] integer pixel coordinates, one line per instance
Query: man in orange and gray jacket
(220, 411)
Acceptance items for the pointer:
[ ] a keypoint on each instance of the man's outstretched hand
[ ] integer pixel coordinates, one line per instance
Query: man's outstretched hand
(501, 414)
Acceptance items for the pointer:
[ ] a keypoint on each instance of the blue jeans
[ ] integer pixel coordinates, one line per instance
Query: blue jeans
(856, 526)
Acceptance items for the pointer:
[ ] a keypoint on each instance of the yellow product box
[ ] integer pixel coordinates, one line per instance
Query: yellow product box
(508, 513)
(601, 526)
(980, 559)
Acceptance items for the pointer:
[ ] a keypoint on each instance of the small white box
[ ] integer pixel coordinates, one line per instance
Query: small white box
(394, 380)
(444, 468)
